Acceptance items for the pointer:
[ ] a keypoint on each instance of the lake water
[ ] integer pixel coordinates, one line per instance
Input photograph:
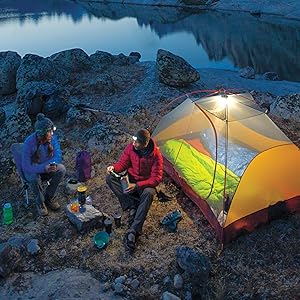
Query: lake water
(204, 39)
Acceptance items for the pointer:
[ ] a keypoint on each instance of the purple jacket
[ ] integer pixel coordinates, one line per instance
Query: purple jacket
(30, 146)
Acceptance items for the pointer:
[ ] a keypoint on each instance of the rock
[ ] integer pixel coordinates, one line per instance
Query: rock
(167, 280)
(55, 106)
(9, 64)
(62, 253)
(178, 282)
(100, 59)
(15, 128)
(2, 116)
(174, 70)
(188, 296)
(134, 283)
(37, 68)
(59, 284)
(33, 95)
(196, 265)
(106, 287)
(103, 277)
(101, 84)
(17, 241)
(119, 288)
(33, 247)
(271, 76)
(121, 60)
(76, 116)
(72, 60)
(154, 289)
(136, 54)
(169, 296)
(120, 279)
(87, 220)
(287, 107)
(9, 259)
(247, 72)
(263, 99)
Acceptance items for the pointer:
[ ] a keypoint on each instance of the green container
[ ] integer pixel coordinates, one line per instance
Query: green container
(7, 214)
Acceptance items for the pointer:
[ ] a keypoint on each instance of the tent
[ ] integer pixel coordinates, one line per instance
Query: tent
(230, 158)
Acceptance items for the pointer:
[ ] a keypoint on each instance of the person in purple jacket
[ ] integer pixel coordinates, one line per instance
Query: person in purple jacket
(41, 160)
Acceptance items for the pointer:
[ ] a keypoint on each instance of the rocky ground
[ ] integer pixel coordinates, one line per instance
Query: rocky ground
(60, 262)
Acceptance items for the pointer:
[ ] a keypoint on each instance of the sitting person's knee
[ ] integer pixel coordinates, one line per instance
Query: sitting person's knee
(61, 168)
(149, 192)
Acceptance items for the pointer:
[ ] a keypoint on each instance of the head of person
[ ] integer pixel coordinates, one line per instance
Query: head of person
(44, 128)
(141, 139)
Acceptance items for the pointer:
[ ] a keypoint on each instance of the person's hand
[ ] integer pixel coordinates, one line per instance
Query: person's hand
(131, 187)
(51, 168)
(109, 169)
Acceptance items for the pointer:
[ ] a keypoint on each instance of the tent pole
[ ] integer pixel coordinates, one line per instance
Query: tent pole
(225, 196)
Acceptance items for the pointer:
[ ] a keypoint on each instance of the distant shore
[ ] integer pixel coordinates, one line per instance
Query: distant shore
(289, 9)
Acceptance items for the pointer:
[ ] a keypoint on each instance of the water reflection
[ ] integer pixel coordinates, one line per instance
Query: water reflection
(209, 39)
(35, 10)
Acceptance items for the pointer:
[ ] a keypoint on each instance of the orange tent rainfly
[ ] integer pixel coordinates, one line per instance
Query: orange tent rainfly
(231, 159)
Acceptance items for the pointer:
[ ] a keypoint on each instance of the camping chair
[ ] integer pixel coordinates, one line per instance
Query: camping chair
(16, 150)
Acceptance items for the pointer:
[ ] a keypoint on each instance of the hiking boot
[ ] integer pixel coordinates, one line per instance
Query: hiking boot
(130, 240)
(171, 220)
(42, 210)
(52, 204)
(162, 197)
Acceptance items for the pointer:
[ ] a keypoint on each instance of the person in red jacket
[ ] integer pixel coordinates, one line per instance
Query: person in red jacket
(144, 163)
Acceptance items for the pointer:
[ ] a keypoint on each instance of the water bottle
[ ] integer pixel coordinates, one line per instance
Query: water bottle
(124, 183)
(7, 214)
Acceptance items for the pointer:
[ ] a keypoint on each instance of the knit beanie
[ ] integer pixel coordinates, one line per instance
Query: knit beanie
(142, 136)
(43, 125)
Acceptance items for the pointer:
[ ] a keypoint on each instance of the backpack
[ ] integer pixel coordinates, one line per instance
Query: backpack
(83, 166)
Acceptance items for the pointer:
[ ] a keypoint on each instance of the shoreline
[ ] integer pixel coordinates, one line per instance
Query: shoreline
(269, 10)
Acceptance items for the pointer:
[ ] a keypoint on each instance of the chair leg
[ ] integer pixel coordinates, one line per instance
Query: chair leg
(27, 197)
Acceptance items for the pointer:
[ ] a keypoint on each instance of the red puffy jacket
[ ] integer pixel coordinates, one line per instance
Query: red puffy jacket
(146, 171)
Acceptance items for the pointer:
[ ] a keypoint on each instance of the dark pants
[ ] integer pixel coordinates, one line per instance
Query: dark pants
(35, 182)
(140, 200)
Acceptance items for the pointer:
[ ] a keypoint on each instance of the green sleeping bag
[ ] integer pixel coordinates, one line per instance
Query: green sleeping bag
(198, 171)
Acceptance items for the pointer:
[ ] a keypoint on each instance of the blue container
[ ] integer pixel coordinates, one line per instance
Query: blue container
(101, 239)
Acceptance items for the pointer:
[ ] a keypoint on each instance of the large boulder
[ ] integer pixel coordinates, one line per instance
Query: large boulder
(9, 64)
(73, 60)
(43, 97)
(55, 106)
(37, 68)
(58, 284)
(33, 95)
(9, 259)
(15, 128)
(174, 70)
(287, 107)
(100, 59)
